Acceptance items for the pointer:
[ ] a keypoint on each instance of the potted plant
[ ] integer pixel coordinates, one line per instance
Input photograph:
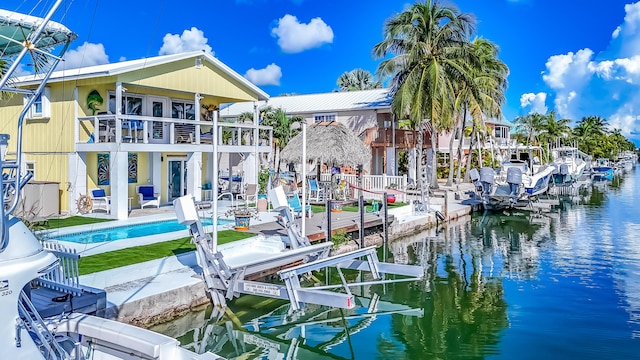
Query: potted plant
(391, 198)
(242, 217)
(263, 179)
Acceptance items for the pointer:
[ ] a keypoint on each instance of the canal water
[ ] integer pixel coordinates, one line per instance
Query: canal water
(563, 285)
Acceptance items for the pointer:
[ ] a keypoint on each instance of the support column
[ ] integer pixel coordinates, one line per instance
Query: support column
(77, 180)
(155, 171)
(249, 168)
(194, 175)
(119, 180)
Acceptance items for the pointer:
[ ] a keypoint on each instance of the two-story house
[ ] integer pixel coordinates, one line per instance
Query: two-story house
(368, 114)
(138, 122)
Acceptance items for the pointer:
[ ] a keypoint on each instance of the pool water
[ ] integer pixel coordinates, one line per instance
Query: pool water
(127, 232)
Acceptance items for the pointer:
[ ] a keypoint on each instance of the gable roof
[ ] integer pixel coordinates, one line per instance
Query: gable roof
(117, 68)
(317, 103)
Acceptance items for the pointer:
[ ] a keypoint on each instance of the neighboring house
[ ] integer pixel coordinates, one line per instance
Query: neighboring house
(139, 122)
(368, 114)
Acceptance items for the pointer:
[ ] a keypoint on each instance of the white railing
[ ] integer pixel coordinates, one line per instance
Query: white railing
(148, 129)
(373, 186)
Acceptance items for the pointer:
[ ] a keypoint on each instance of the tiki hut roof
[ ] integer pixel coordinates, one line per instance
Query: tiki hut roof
(330, 143)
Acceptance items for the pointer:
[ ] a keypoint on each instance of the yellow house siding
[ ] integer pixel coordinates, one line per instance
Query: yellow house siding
(183, 76)
(143, 175)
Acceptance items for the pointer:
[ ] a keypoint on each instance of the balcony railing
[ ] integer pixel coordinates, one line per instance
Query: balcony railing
(96, 131)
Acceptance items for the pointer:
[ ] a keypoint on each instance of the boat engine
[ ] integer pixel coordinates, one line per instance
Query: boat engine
(487, 178)
(564, 169)
(514, 179)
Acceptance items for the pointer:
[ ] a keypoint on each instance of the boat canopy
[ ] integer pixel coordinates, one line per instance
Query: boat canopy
(15, 28)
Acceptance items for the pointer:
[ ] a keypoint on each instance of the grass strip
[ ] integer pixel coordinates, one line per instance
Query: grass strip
(137, 254)
(318, 209)
(56, 223)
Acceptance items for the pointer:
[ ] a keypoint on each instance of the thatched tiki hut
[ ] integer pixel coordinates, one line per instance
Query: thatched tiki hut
(329, 143)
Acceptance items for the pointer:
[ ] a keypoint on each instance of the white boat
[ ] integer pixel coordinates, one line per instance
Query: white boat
(516, 182)
(25, 334)
(571, 163)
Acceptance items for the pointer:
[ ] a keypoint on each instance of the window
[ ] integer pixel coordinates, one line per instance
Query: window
(501, 132)
(324, 117)
(131, 104)
(30, 167)
(41, 108)
(183, 110)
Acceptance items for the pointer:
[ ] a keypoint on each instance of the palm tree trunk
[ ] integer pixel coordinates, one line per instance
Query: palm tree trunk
(471, 143)
(419, 166)
(452, 142)
(464, 122)
(434, 158)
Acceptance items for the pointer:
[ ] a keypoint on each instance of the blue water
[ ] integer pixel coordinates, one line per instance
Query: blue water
(127, 232)
(564, 285)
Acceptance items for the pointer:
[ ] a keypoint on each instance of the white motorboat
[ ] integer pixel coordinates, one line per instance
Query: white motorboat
(571, 163)
(516, 181)
(23, 261)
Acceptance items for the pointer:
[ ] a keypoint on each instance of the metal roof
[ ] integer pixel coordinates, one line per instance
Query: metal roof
(318, 103)
(134, 65)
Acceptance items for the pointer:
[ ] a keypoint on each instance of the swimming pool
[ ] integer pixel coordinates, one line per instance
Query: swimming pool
(126, 232)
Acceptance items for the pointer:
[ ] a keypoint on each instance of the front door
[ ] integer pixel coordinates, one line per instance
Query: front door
(158, 130)
(177, 178)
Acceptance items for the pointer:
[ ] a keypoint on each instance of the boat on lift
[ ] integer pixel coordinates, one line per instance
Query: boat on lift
(25, 334)
(517, 183)
(603, 170)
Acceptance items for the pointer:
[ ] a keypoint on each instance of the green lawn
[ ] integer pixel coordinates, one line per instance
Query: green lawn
(138, 254)
(56, 223)
(318, 209)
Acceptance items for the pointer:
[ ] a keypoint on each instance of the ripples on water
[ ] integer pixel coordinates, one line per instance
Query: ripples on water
(565, 285)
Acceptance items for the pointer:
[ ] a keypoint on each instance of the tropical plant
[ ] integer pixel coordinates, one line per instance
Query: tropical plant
(429, 44)
(483, 96)
(590, 130)
(285, 127)
(553, 130)
(358, 79)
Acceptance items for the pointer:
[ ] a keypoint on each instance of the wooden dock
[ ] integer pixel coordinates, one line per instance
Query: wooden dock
(315, 230)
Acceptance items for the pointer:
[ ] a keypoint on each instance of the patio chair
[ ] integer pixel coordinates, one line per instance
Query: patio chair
(100, 200)
(375, 207)
(250, 194)
(296, 206)
(316, 193)
(146, 196)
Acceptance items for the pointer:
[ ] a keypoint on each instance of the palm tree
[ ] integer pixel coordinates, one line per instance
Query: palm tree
(483, 96)
(554, 130)
(528, 127)
(430, 47)
(590, 129)
(285, 127)
(358, 79)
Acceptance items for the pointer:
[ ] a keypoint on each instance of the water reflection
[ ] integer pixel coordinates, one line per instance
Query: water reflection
(563, 284)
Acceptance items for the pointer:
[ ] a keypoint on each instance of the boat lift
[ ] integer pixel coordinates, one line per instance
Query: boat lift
(226, 278)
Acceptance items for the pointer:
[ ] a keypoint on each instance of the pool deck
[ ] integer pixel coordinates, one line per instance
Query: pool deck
(155, 291)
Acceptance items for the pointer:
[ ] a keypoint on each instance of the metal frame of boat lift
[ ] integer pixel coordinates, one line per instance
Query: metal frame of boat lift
(224, 281)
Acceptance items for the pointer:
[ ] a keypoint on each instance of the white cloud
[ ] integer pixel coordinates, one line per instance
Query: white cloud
(190, 40)
(87, 54)
(294, 37)
(568, 69)
(270, 75)
(535, 103)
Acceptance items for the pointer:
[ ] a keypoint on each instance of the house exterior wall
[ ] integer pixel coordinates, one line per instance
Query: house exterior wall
(50, 143)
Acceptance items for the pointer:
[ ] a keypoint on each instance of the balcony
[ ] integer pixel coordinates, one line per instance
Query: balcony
(383, 137)
(133, 133)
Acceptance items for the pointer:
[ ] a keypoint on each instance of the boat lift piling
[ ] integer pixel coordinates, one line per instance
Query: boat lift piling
(224, 281)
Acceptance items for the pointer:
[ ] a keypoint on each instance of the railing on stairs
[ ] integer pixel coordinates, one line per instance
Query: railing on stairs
(35, 326)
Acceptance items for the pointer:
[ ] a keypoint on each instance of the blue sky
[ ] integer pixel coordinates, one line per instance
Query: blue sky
(579, 58)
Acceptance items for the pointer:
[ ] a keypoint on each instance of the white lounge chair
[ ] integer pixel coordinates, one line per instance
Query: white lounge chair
(100, 200)
(146, 196)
